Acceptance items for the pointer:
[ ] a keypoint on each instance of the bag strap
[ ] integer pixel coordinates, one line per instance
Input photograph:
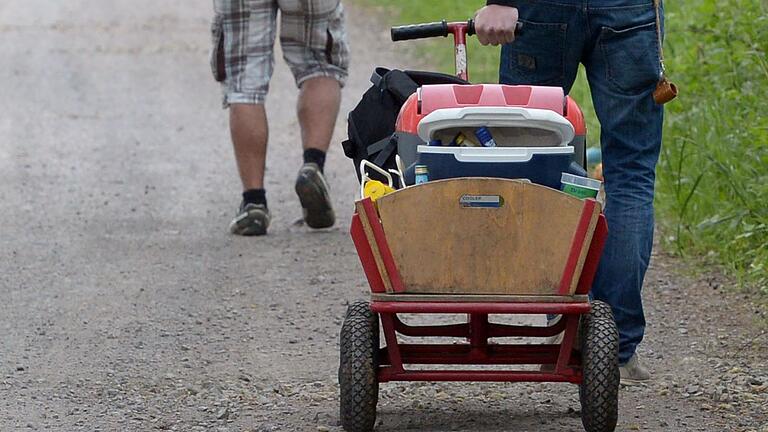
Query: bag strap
(399, 84)
(378, 74)
(665, 90)
(426, 77)
(657, 8)
(378, 146)
(386, 151)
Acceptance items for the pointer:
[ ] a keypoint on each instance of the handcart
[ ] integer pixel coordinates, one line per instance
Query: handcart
(479, 246)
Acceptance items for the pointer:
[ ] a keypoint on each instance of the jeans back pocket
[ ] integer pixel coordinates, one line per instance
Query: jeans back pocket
(536, 56)
(631, 57)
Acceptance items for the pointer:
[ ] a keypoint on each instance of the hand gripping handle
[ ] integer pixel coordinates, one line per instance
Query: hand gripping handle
(471, 28)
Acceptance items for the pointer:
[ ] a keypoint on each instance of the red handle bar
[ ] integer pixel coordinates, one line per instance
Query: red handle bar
(460, 30)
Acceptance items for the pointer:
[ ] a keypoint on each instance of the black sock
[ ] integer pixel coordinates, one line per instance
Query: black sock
(316, 156)
(255, 196)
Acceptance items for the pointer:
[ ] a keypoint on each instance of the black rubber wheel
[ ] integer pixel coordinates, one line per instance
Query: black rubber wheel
(601, 309)
(358, 365)
(359, 309)
(599, 390)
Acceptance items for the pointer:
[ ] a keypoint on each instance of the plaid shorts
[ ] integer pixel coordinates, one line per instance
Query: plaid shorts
(312, 37)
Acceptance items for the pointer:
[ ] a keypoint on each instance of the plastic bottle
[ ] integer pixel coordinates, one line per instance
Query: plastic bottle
(458, 140)
(485, 137)
(422, 174)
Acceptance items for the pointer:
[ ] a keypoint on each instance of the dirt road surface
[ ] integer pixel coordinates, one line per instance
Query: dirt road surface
(126, 306)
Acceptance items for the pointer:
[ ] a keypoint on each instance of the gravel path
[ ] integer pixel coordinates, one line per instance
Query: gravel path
(127, 306)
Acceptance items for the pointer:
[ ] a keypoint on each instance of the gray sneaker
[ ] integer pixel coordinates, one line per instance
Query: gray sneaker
(251, 220)
(313, 194)
(634, 373)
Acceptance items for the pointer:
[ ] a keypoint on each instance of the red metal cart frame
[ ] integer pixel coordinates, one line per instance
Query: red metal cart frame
(384, 280)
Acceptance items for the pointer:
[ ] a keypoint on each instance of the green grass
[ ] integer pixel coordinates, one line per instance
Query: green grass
(713, 174)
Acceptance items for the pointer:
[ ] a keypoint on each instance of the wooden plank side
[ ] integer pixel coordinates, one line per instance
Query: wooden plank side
(365, 254)
(363, 216)
(383, 245)
(520, 247)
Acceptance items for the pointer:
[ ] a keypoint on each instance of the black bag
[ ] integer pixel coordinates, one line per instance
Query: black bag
(371, 125)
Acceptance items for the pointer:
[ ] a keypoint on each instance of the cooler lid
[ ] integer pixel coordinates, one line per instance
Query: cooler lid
(439, 96)
(497, 117)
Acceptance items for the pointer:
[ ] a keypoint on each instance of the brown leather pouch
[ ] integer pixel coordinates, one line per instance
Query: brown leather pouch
(665, 91)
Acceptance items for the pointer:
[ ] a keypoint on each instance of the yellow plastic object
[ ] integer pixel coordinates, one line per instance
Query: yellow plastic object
(375, 189)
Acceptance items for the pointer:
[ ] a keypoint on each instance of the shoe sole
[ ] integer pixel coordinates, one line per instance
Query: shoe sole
(633, 383)
(314, 198)
(252, 223)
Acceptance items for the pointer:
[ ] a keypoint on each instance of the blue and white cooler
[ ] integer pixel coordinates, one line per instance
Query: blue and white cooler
(531, 143)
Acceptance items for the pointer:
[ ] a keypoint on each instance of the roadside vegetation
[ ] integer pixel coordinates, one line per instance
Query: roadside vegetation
(713, 174)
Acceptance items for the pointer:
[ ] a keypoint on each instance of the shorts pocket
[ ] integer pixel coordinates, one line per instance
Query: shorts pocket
(218, 61)
(631, 57)
(336, 46)
(537, 55)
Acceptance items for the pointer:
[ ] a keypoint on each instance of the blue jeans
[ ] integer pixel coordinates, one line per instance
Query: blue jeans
(616, 41)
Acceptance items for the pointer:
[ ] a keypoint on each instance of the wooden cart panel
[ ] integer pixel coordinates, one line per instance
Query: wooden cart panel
(486, 236)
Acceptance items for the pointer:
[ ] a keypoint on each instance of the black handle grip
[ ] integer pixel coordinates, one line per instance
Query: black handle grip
(420, 31)
(471, 28)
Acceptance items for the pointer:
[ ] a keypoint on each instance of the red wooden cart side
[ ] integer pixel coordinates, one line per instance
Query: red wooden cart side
(368, 236)
(365, 252)
(390, 300)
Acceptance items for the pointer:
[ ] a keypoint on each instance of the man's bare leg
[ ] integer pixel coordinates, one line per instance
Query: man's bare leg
(248, 126)
(318, 107)
(249, 130)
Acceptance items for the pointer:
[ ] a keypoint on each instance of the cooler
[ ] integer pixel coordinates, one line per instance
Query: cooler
(532, 143)
(517, 116)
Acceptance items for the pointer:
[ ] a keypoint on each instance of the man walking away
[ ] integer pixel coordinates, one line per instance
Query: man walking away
(618, 42)
(313, 40)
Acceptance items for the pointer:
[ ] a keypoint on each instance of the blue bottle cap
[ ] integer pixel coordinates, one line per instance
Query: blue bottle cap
(435, 143)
